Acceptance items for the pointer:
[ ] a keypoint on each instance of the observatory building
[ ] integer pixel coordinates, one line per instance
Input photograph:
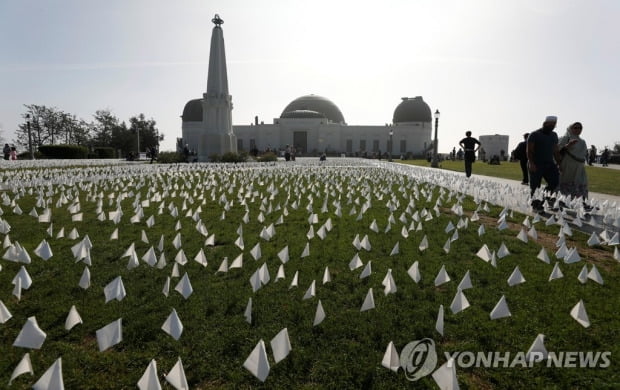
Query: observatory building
(311, 124)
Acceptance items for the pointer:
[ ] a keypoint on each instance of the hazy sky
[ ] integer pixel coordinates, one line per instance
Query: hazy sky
(489, 66)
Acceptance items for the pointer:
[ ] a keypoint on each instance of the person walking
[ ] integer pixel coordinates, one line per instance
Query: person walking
(592, 155)
(520, 153)
(543, 157)
(7, 151)
(574, 151)
(470, 146)
(605, 158)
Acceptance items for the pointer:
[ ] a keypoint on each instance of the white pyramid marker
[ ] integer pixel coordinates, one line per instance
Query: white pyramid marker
(248, 311)
(369, 301)
(31, 336)
(583, 275)
(445, 376)
(256, 252)
(595, 275)
(556, 273)
(237, 262)
(459, 303)
(522, 236)
(223, 266)
(283, 255)
(465, 282)
(501, 309)
(502, 251)
(110, 335)
(537, 351)
(578, 312)
(173, 325)
(184, 287)
(366, 271)
(484, 253)
(73, 318)
(319, 315)
(23, 367)
(5, 314)
(442, 277)
(281, 346)
(85, 279)
(149, 380)
(355, 262)
(481, 230)
(280, 274)
(542, 256)
(395, 250)
(257, 362)
(114, 290)
(414, 272)
(295, 280)
(311, 292)
(391, 360)
(43, 250)
(166, 289)
(439, 322)
(327, 277)
(389, 283)
(52, 378)
(572, 256)
(593, 240)
(176, 376)
(306, 251)
(516, 277)
(423, 244)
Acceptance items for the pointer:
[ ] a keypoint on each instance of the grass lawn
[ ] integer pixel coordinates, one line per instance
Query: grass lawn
(602, 180)
(346, 349)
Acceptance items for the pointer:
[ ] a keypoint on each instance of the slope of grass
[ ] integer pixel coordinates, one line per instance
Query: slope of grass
(602, 180)
(345, 351)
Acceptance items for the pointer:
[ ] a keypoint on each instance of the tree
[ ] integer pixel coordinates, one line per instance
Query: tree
(147, 132)
(49, 126)
(103, 127)
(617, 148)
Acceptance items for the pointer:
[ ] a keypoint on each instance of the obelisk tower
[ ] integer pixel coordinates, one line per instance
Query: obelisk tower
(216, 135)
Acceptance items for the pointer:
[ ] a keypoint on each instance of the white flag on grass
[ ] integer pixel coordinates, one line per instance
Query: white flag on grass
(31, 336)
(257, 362)
(149, 380)
(23, 367)
(110, 335)
(52, 378)
(176, 376)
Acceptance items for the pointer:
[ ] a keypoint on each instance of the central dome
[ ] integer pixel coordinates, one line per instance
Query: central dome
(412, 110)
(313, 105)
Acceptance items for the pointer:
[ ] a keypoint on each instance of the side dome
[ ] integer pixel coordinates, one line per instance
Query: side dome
(412, 110)
(192, 111)
(325, 107)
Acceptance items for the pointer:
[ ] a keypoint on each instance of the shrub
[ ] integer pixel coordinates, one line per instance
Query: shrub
(103, 152)
(267, 157)
(215, 157)
(169, 157)
(231, 157)
(63, 151)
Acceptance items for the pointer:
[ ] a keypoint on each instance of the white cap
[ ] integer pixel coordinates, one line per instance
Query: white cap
(551, 118)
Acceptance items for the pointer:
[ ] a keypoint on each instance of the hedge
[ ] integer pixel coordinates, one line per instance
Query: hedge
(63, 151)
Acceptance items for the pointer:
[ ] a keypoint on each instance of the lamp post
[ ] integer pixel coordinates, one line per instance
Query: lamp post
(390, 151)
(435, 162)
(29, 136)
(138, 135)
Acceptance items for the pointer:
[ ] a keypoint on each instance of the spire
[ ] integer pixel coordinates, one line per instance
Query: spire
(217, 82)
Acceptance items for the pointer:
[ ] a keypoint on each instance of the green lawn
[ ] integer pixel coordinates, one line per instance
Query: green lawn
(346, 350)
(602, 180)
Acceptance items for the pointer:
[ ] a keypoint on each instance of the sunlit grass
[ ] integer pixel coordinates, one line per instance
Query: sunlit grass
(602, 180)
(346, 350)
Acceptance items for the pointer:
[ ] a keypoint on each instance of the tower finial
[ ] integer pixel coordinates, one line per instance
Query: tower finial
(217, 21)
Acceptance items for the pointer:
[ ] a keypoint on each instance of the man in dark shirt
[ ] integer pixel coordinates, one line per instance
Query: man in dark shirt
(520, 154)
(468, 144)
(543, 158)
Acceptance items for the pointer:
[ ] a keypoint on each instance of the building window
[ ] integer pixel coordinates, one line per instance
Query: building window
(349, 146)
(403, 146)
(375, 145)
(362, 145)
(239, 144)
(252, 144)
